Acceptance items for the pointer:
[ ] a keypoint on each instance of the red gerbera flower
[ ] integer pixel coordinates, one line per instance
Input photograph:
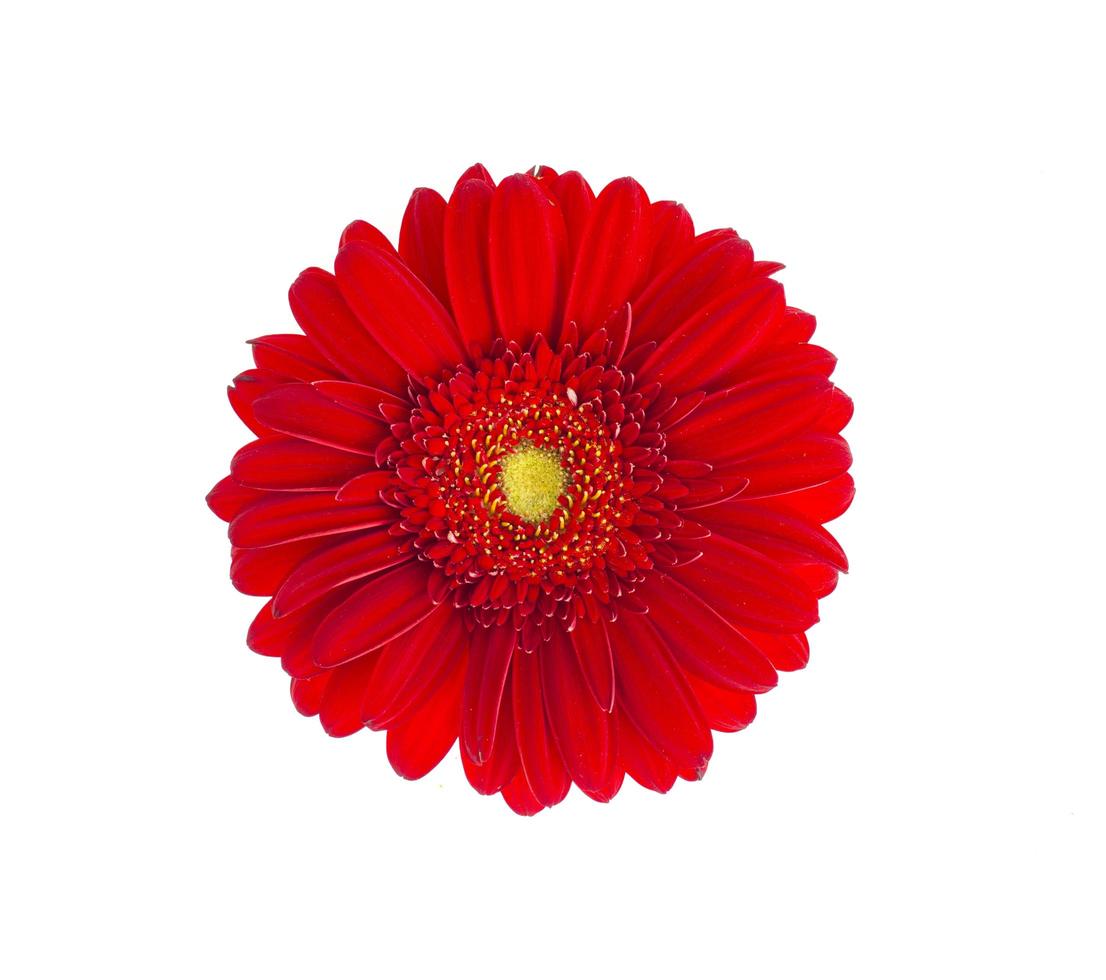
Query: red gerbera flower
(549, 479)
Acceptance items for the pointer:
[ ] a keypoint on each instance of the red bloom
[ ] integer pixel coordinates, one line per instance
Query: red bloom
(550, 479)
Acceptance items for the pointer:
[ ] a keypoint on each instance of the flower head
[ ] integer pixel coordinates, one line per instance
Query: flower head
(548, 480)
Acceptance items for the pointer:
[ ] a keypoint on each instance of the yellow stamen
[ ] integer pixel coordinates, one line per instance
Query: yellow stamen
(532, 479)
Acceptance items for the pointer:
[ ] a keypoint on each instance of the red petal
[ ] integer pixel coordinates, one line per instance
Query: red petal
(541, 762)
(227, 499)
(526, 249)
(593, 650)
(576, 199)
(490, 653)
(613, 257)
(412, 665)
(820, 504)
(355, 558)
(838, 413)
(725, 711)
(365, 488)
(398, 310)
(806, 461)
(787, 651)
(379, 611)
(673, 231)
(300, 410)
(476, 172)
(291, 464)
(517, 795)
(277, 519)
(654, 695)
(715, 261)
(290, 638)
(797, 327)
(340, 712)
(361, 398)
(747, 589)
(466, 262)
(261, 571)
(362, 231)
(291, 354)
(642, 761)
(701, 641)
(421, 240)
(322, 314)
(423, 738)
(501, 762)
(740, 420)
(308, 693)
(247, 388)
(705, 350)
(820, 579)
(582, 730)
(773, 531)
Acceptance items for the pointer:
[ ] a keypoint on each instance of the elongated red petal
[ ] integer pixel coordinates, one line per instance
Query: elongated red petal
(580, 727)
(747, 589)
(292, 355)
(643, 762)
(613, 257)
(356, 557)
(228, 498)
(490, 653)
(773, 531)
(734, 423)
(805, 461)
(702, 641)
(261, 571)
(323, 315)
(822, 503)
(593, 650)
(362, 231)
(541, 761)
(382, 609)
(362, 398)
(673, 232)
(275, 463)
(424, 737)
(422, 241)
(247, 388)
(787, 651)
(278, 518)
(397, 310)
(526, 249)
(706, 350)
(302, 411)
(724, 710)
(308, 693)
(500, 762)
(655, 697)
(715, 260)
(476, 172)
(576, 199)
(340, 711)
(411, 665)
(466, 262)
(365, 488)
(519, 797)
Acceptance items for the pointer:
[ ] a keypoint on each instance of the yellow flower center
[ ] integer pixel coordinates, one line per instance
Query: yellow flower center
(532, 479)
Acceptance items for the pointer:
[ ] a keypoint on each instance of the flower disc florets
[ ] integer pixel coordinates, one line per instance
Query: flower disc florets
(522, 476)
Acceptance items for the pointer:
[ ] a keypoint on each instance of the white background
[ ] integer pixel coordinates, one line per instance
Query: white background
(925, 800)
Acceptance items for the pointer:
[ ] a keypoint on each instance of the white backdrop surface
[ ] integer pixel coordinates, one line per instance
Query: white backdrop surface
(926, 799)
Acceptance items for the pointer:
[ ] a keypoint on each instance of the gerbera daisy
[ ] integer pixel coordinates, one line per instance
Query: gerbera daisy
(549, 480)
